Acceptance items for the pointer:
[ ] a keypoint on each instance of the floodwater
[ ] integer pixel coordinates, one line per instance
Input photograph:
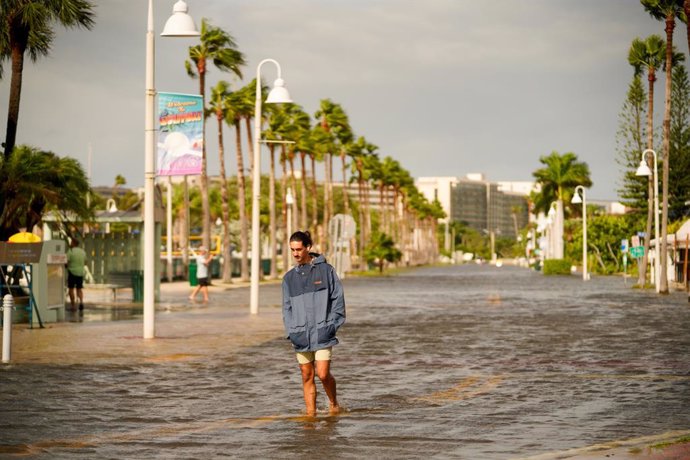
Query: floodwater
(473, 362)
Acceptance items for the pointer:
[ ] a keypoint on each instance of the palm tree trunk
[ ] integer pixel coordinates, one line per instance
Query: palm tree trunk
(225, 207)
(686, 8)
(362, 223)
(203, 185)
(382, 208)
(242, 205)
(328, 200)
(250, 144)
(184, 240)
(314, 198)
(284, 213)
(303, 190)
(15, 95)
(346, 198)
(293, 184)
(272, 213)
(663, 282)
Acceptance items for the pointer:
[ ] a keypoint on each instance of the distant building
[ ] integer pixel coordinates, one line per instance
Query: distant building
(500, 207)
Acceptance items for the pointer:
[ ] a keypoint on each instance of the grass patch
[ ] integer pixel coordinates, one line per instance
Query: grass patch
(556, 267)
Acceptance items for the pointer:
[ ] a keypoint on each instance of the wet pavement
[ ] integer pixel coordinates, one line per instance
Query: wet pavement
(471, 361)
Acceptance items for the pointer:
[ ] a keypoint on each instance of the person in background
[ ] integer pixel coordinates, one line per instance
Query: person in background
(203, 259)
(76, 259)
(313, 311)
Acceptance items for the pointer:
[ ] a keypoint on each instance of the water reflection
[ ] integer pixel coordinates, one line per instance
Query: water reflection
(103, 313)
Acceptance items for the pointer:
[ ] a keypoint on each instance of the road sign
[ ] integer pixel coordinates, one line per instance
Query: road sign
(637, 251)
(624, 245)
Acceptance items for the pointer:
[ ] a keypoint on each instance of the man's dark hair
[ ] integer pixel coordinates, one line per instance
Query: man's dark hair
(303, 237)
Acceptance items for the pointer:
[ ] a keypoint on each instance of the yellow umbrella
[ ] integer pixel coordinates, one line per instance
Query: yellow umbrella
(24, 237)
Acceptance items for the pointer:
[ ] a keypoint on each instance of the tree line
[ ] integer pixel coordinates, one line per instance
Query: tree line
(33, 181)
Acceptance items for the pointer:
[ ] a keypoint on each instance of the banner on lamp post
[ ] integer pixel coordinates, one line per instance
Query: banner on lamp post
(180, 137)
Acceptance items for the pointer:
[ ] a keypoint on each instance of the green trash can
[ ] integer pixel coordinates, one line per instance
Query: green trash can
(214, 269)
(266, 266)
(137, 285)
(236, 265)
(192, 273)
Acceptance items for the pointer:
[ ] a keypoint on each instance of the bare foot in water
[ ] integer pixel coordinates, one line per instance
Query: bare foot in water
(334, 409)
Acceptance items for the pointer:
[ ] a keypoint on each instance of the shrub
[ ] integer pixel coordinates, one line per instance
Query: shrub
(556, 267)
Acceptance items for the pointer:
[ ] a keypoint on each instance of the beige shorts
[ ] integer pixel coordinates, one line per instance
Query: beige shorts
(305, 357)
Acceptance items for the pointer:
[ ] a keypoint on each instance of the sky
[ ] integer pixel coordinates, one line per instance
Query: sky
(447, 87)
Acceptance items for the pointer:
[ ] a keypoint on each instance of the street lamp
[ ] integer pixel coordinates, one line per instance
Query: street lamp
(582, 200)
(289, 201)
(552, 220)
(644, 170)
(180, 24)
(279, 94)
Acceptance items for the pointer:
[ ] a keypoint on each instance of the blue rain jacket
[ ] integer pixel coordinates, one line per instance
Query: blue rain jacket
(313, 305)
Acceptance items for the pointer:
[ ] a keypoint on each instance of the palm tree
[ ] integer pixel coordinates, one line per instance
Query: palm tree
(219, 108)
(358, 150)
(119, 181)
(345, 139)
(561, 174)
(684, 17)
(399, 179)
(385, 175)
(648, 55)
(33, 182)
(275, 131)
(321, 144)
(26, 25)
(234, 118)
(246, 102)
(300, 124)
(220, 48)
(667, 11)
(334, 122)
(304, 146)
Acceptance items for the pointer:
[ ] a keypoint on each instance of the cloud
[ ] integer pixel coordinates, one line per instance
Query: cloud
(445, 86)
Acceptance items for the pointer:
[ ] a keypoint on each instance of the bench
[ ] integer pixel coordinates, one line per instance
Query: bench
(119, 280)
(114, 282)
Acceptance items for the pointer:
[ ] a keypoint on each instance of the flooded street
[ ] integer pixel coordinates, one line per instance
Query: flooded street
(469, 361)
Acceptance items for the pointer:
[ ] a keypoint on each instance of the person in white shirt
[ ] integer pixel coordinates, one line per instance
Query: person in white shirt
(203, 259)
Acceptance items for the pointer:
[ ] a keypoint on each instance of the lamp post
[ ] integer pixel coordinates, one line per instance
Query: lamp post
(180, 24)
(552, 221)
(644, 170)
(279, 94)
(577, 199)
(289, 201)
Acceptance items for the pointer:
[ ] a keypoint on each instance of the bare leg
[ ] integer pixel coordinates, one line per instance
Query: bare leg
(71, 298)
(194, 292)
(309, 388)
(80, 295)
(204, 291)
(323, 370)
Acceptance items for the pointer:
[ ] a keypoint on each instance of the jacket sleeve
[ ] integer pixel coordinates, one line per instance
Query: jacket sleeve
(287, 308)
(337, 299)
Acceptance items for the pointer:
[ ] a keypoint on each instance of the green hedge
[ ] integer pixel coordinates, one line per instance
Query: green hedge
(556, 267)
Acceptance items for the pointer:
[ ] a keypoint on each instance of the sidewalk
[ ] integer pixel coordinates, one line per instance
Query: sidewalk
(185, 330)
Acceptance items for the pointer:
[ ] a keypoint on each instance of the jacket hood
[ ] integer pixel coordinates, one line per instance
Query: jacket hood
(317, 258)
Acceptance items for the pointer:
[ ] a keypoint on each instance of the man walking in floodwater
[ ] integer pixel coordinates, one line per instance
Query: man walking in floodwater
(313, 310)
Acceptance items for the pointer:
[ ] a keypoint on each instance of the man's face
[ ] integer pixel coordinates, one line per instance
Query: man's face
(300, 252)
